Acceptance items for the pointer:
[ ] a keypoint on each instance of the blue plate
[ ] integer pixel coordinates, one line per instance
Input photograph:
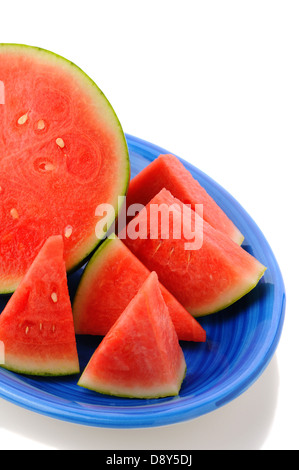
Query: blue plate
(241, 341)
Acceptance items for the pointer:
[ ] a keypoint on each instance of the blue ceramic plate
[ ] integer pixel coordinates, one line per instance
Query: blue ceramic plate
(240, 343)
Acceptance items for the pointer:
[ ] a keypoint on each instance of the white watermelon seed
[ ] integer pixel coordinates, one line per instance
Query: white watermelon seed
(46, 166)
(53, 328)
(60, 143)
(68, 231)
(49, 167)
(27, 330)
(54, 297)
(41, 125)
(14, 213)
(23, 119)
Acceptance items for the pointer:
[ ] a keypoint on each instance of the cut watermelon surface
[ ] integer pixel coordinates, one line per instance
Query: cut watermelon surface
(168, 172)
(111, 279)
(36, 327)
(140, 357)
(62, 154)
(203, 280)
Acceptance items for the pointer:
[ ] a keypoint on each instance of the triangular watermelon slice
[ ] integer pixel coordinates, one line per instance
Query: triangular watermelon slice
(111, 279)
(204, 280)
(140, 357)
(168, 172)
(36, 327)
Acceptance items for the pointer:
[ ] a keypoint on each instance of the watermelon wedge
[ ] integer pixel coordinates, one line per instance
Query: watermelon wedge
(167, 171)
(36, 327)
(204, 280)
(140, 357)
(62, 154)
(111, 279)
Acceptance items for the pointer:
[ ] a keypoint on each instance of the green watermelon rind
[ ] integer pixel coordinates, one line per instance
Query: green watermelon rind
(234, 300)
(141, 397)
(93, 259)
(85, 276)
(127, 168)
(40, 373)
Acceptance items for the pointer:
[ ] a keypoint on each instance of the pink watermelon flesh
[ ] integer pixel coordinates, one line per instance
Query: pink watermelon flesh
(168, 172)
(140, 357)
(36, 327)
(110, 281)
(204, 280)
(62, 154)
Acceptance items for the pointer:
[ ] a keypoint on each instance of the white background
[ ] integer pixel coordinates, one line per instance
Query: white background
(217, 83)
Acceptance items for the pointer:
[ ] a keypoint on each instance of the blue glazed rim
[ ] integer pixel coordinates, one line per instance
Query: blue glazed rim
(123, 413)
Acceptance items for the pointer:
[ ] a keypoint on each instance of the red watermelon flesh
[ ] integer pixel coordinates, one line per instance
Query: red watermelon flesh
(140, 357)
(36, 327)
(62, 154)
(167, 171)
(204, 280)
(111, 279)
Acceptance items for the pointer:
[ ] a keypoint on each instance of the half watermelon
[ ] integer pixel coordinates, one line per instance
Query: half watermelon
(140, 357)
(204, 280)
(62, 154)
(36, 327)
(111, 279)
(167, 171)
